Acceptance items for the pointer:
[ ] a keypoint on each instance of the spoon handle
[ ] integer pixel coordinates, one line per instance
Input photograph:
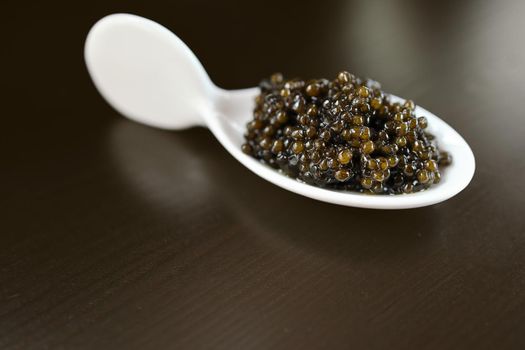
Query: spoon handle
(147, 73)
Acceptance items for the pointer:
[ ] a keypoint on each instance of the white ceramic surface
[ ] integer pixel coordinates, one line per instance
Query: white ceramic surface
(149, 75)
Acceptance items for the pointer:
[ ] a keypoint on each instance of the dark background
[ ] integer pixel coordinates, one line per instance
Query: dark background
(116, 235)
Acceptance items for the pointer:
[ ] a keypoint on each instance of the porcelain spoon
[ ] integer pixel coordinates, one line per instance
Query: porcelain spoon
(150, 76)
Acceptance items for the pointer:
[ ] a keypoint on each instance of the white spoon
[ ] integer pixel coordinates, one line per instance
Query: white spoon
(149, 75)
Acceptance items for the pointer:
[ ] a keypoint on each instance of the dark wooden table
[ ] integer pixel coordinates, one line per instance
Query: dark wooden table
(115, 235)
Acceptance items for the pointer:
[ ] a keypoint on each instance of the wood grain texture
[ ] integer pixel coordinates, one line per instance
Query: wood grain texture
(114, 235)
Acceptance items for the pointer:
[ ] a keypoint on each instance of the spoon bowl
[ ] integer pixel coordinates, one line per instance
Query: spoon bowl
(150, 76)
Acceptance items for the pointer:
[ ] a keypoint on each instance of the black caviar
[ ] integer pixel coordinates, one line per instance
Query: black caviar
(343, 134)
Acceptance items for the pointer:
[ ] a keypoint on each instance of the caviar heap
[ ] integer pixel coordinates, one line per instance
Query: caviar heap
(343, 134)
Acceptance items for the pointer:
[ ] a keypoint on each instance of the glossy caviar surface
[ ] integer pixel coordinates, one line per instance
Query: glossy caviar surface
(343, 134)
